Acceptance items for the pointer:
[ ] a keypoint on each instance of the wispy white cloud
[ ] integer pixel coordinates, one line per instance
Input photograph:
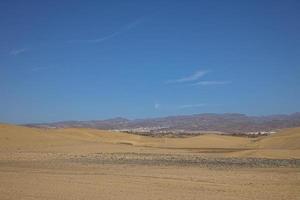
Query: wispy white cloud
(195, 79)
(211, 83)
(98, 40)
(40, 68)
(169, 107)
(16, 52)
(114, 34)
(191, 106)
(195, 76)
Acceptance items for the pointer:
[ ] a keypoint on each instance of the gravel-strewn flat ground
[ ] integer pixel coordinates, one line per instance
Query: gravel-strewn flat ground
(27, 175)
(184, 160)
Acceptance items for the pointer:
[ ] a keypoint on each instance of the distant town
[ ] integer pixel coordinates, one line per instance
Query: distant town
(185, 125)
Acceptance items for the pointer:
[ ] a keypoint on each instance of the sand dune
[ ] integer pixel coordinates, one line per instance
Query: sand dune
(283, 144)
(19, 137)
(285, 139)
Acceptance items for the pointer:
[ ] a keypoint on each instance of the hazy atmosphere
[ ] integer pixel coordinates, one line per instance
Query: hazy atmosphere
(83, 60)
(165, 99)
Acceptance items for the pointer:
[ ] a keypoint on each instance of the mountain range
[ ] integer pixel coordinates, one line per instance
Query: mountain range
(231, 123)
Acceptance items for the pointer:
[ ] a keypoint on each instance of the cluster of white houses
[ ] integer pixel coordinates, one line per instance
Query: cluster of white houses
(261, 133)
(165, 130)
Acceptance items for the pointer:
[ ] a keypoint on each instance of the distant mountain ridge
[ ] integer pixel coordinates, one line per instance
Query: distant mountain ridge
(234, 123)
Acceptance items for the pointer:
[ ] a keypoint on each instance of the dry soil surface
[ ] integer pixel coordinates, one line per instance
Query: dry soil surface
(91, 164)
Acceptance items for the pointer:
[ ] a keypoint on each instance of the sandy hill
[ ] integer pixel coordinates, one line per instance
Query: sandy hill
(19, 136)
(283, 144)
(14, 137)
(285, 139)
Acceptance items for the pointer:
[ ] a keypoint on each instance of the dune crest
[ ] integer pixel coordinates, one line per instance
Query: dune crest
(284, 144)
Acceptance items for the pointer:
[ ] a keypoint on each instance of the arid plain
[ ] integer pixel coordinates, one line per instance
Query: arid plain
(93, 164)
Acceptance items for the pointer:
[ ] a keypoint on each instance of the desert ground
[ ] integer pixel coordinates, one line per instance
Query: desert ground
(94, 164)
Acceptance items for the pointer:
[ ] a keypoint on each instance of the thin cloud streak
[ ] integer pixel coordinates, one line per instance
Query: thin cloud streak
(191, 106)
(114, 34)
(40, 68)
(17, 51)
(204, 83)
(158, 106)
(197, 75)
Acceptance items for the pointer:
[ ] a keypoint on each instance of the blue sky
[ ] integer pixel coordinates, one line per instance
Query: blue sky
(82, 60)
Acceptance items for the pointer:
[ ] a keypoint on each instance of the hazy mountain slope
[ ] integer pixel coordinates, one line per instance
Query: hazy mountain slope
(227, 123)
